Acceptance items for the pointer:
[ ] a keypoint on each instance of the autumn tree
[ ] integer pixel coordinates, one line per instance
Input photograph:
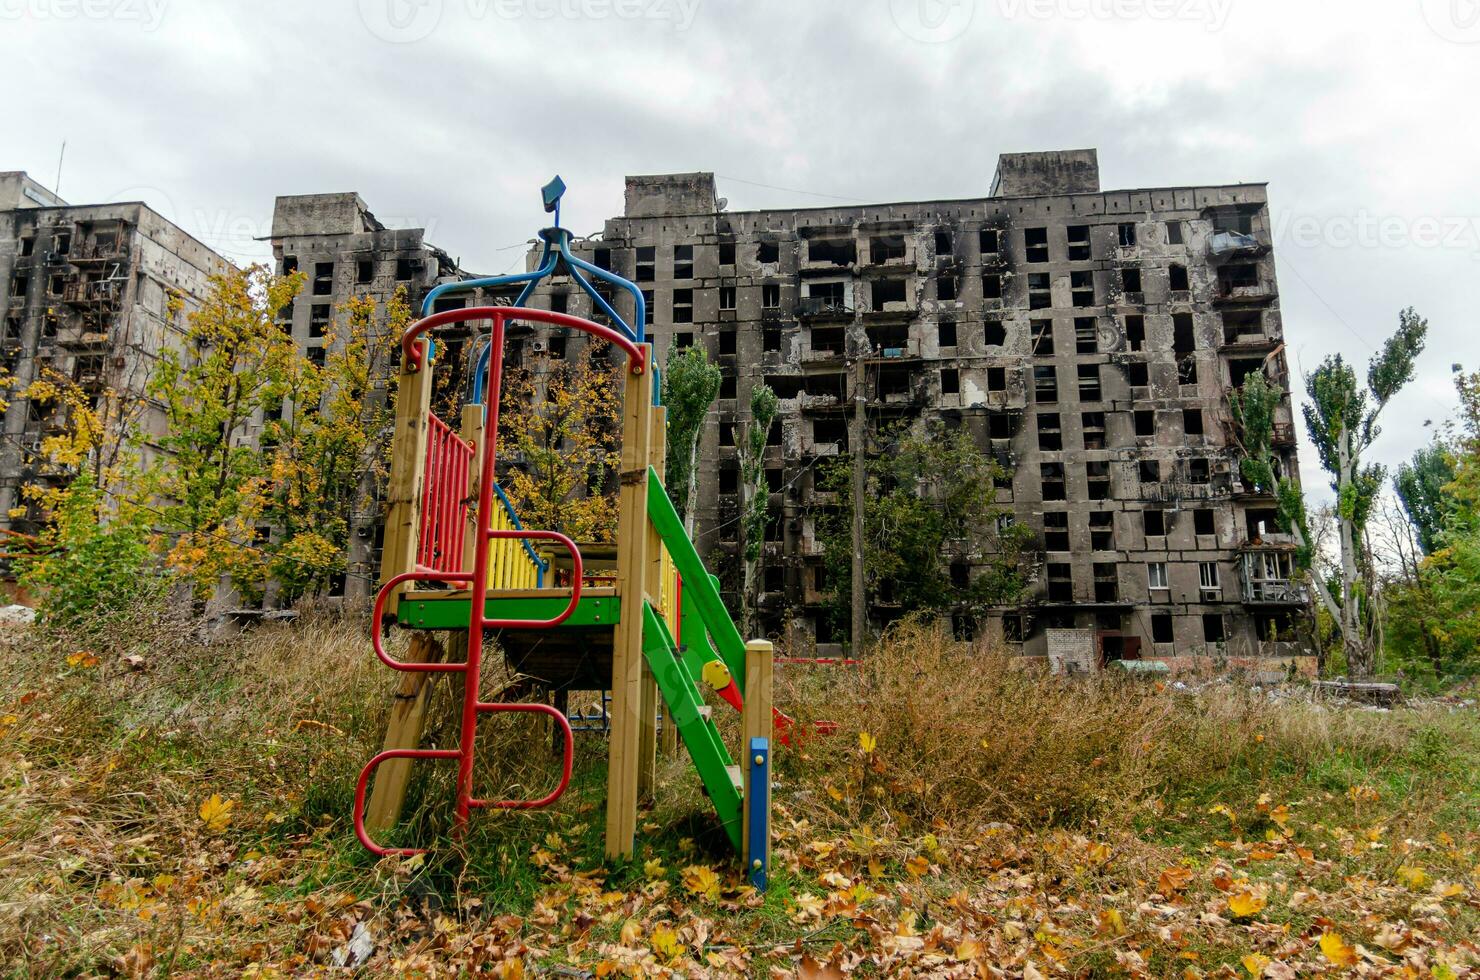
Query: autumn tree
(754, 500)
(930, 504)
(559, 443)
(92, 555)
(326, 442)
(212, 480)
(690, 385)
(1341, 417)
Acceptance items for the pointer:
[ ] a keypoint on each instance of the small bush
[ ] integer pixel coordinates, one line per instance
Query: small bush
(88, 566)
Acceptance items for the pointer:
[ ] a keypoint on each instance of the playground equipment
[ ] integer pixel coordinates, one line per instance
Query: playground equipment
(457, 558)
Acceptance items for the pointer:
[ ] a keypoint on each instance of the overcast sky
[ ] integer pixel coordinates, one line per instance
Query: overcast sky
(449, 114)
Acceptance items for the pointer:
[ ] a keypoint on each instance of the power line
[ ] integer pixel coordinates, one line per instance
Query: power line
(793, 190)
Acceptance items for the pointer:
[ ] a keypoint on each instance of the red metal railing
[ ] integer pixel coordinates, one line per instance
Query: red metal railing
(444, 499)
(448, 522)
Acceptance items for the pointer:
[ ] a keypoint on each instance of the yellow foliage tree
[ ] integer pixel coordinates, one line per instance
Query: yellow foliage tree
(559, 443)
(330, 446)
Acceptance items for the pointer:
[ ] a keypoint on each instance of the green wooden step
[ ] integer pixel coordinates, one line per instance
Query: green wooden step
(685, 702)
(452, 613)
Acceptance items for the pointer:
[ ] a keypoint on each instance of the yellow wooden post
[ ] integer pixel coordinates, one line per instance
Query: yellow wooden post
(632, 547)
(755, 721)
(408, 720)
(398, 555)
(408, 472)
(653, 586)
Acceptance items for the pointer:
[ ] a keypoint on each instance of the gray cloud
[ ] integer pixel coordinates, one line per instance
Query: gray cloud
(1347, 110)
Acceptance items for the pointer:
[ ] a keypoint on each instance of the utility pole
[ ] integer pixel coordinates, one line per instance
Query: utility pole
(857, 438)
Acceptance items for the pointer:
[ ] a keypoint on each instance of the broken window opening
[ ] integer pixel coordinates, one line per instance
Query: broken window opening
(1202, 521)
(885, 248)
(1040, 291)
(1051, 475)
(683, 306)
(1082, 288)
(1089, 382)
(1055, 531)
(1131, 280)
(1184, 338)
(1127, 234)
(1135, 332)
(727, 297)
(994, 333)
(1092, 424)
(1035, 244)
(885, 291)
(945, 288)
(770, 296)
(987, 241)
(768, 253)
(1086, 338)
(950, 381)
(1079, 248)
(1161, 628)
(1042, 334)
(1137, 375)
(1097, 476)
(832, 250)
(683, 261)
(1045, 384)
(770, 339)
(1050, 437)
(991, 286)
(1102, 530)
(1192, 421)
(1060, 582)
(1145, 423)
(996, 379)
(727, 340)
(945, 333)
(1153, 523)
(1177, 278)
(646, 269)
(1174, 233)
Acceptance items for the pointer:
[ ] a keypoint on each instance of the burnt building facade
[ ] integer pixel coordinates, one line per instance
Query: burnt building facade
(90, 295)
(1088, 339)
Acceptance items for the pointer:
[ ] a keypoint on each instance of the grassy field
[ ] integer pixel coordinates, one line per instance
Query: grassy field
(172, 807)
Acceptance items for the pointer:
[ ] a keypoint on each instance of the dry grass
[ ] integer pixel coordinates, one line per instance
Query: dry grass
(974, 736)
(106, 863)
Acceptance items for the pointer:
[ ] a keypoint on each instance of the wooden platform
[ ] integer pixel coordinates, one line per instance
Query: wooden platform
(576, 655)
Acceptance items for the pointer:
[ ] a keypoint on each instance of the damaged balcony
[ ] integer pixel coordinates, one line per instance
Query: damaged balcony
(1266, 573)
(832, 255)
(1243, 282)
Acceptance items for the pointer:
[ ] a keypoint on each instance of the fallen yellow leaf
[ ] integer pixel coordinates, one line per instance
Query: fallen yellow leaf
(867, 742)
(1255, 964)
(216, 813)
(1244, 904)
(1335, 949)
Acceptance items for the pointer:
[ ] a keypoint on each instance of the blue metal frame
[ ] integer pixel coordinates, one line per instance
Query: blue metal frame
(758, 808)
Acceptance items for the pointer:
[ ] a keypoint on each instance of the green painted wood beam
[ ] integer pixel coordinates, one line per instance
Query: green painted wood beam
(700, 736)
(696, 580)
(452, 613)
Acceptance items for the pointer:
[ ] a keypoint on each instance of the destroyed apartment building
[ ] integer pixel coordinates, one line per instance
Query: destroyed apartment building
(1088, 339)
(85, 291)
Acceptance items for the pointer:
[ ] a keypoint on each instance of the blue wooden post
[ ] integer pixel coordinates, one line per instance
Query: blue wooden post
(758, 808)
